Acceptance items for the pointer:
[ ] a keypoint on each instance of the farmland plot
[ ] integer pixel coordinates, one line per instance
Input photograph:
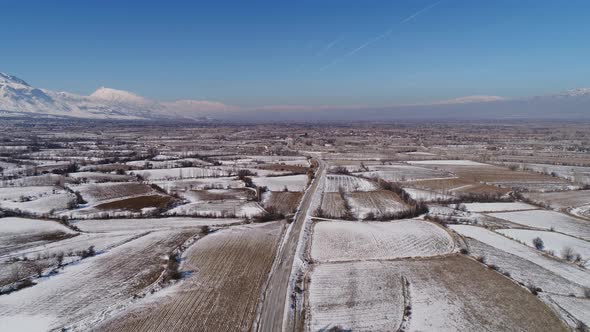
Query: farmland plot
(498, 207)
(77, 296)
(279, 183)
(282, 202)
(227, 271)
(397, 173)
(47, 204)
(378, 203)
(146, 224)
(200, 184)
(568, 271)
(333, 205)
(95, 177)
(578, 307)
(426, 195)
(552, 241)
(218, 208)
(348, 183)
(103, 192)
(180, 173)
(523, 270)
(440, 298)
(562, 199)
(347, 240)
(544, 219)
(20, 233)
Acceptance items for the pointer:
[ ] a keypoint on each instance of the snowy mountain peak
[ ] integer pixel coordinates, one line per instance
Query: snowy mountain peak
(579, 92)
(117, 96)
(9, 79)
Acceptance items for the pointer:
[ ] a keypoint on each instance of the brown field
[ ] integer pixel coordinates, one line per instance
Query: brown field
(457, 185)
(115, 190)
(137, 203)
(283, 202)
(333, 205)
(227, 272)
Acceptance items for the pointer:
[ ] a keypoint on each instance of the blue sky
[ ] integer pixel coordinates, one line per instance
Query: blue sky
(299, 52)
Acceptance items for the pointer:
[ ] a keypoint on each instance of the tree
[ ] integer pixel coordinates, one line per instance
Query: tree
(538, 243)
(568, 254)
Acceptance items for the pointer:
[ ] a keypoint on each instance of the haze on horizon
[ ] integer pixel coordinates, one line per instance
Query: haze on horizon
(265, 54)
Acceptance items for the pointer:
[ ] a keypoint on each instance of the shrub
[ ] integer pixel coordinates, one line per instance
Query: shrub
(538, 243)
(464, 251)
(568, 254)
(481, 259)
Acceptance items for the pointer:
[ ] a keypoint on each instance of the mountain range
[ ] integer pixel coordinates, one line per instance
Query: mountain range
(18, 98)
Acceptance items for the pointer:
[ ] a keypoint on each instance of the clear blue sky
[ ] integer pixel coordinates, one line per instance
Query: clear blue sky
(299, 52)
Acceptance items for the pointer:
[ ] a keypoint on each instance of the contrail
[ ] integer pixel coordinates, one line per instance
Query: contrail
(329, 46)
(381, 36)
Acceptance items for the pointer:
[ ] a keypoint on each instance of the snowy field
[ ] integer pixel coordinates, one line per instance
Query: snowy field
(426, 195)
(544, 219)
(568, 271)
(396, 173)
(112, 225)
(179, 173)
(223, 208)
(446, 162)
(379, 203)
(552, 241)
(349, 240)
(562, 199)
(278, 183)
(497, 207)
(348, 183)
(366, 295)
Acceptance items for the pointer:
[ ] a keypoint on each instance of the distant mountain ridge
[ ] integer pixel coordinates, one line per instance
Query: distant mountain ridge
(18, 98)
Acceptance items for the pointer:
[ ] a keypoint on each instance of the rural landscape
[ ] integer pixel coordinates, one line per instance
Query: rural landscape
(205, 227)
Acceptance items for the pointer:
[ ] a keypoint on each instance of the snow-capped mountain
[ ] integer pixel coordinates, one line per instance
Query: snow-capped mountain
(18, 98)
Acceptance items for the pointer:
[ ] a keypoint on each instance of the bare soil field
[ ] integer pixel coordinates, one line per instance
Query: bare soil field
(136, 204)
(109, 191)
(440, 297)
(348, 183)
(283, 202)
(333, 206)
(225, 274)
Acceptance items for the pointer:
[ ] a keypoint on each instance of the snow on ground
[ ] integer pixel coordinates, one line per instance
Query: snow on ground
(523, 271)
(578, 307)
(568, 271)
(446, 162)
(548, 219)
(499, 206)
(349, 183)
(357, 297)
(552, 241)
(34, 192)
(426, 195)
(348, 240)
(112, 225)
(79, 293)
(10, 226)
(100, 241)
(200, 184)
(104, 192)
(562, 199)
(100, 177)
(451, 293)
(179, 173)
(25, 323)
(222, 208)
(278, 183)
(403, 172)
(379, 202)
(41, 205)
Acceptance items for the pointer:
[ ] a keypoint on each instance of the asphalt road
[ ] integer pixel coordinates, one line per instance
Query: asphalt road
(273, 306)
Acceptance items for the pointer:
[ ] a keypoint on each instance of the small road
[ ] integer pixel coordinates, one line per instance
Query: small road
(273, 305)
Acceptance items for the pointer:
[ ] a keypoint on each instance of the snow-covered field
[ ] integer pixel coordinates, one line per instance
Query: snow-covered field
(224, 208)
(180, 173)
(396, 173)
(497, 207)
(138, 225)
(544, 219)
(355, 296)
(278, 183)
(103, 192)
(562, 199)
(349, 240)
(552, 241)
(451, 293)
(348, 183)
(446, 162)
(379, 203)
(40, 205)
(568, 271)
(578, 307)
(426, 195)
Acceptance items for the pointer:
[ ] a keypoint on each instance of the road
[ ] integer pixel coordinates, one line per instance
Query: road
(273, 306)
